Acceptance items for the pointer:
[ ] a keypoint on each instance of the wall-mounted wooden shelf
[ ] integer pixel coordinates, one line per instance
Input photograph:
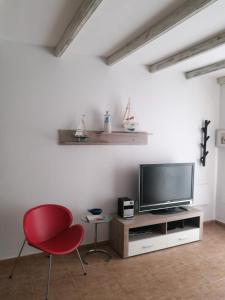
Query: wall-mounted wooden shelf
(66, 137)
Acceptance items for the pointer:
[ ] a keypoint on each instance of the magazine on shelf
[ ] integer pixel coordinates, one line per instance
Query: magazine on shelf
(94, 218)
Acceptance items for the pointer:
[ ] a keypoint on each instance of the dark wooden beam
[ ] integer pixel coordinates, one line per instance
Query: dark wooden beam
(82, 15)
(198, 48)
(221, 80)
(206, 69)
(179, 15)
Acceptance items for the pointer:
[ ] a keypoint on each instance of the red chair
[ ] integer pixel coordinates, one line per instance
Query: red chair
(49, 228)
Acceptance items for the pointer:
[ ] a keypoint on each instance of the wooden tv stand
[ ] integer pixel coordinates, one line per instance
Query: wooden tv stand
(148, 232)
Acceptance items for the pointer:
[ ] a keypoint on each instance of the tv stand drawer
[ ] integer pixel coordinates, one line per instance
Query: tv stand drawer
(187, 236)
(164, 241)
(147, 245)
(148, 232)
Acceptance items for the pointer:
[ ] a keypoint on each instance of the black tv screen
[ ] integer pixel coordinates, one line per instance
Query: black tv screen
(165, 185)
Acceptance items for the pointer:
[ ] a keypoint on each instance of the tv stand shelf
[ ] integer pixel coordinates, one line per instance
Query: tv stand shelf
(149, 232)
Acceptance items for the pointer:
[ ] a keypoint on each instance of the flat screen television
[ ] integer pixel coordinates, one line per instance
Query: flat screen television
(165, 186)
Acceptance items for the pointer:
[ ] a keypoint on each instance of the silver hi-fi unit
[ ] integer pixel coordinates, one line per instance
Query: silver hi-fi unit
(125, 207)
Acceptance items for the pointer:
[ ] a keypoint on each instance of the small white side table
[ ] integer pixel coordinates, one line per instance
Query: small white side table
(106, 219)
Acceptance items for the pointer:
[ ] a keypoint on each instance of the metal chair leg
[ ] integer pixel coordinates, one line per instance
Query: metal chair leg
(85, 273)
(49, 275)
(14, 266)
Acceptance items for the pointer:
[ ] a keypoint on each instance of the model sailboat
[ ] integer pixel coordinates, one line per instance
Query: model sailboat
(81, 132)
(129, 122)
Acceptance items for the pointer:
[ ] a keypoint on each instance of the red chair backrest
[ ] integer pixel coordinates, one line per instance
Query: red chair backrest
(43, 222)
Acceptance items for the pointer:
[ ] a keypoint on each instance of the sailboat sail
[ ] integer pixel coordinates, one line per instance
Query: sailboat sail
(81, 130)
(128, 119)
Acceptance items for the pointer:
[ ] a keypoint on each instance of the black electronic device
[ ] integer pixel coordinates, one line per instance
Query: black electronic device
(165, 186)
(125, 207)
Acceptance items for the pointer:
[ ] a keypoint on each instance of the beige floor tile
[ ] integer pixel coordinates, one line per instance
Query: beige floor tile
(190, 272)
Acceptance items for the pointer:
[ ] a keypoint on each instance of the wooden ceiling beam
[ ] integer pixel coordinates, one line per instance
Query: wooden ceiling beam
(206, 69)
(221, 80)
(198, 48)
(179, 15)
(82, 15)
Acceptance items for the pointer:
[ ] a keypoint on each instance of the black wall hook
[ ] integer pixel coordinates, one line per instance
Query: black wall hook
(205, 138)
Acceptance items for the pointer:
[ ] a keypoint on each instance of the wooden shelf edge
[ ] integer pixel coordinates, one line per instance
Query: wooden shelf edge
(66, 137)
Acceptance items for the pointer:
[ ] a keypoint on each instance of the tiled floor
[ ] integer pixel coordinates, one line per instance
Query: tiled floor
(193, 271)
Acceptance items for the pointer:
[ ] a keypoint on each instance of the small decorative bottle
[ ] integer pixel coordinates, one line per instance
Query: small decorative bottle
(107, 122)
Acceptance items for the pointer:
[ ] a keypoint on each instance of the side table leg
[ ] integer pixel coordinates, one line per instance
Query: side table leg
(95, 245)
(96, 236)
(96, 250)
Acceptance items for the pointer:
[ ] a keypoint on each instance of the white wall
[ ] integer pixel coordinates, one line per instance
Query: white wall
(220, 197)
(40, 93)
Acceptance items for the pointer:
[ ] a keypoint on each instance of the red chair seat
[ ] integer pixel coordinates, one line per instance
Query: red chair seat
(48, 228)
(65, 242)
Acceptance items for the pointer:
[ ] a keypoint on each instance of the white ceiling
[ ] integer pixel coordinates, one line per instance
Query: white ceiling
(42, 22)
(36, 22)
